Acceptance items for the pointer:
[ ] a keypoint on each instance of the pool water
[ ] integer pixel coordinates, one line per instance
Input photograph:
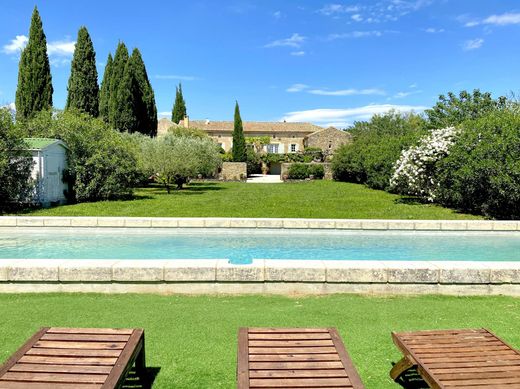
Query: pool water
(241, 246)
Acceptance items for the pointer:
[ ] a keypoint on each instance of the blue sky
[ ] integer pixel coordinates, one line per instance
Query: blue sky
(325, 62)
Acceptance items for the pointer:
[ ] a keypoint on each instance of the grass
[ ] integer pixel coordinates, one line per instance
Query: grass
(191, 340)
(317, 199)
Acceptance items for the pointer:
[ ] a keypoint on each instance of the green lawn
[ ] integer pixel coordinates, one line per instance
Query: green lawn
(192, 339)
(318, 199)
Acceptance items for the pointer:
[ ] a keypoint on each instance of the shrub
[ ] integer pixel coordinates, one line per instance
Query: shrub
(316, 170)
(482, 172)
(298, 171)
(15, 165)
(102, 162)
(176, 159)
(376, 145)
(253, 162)
(415, 171)
(301, 171)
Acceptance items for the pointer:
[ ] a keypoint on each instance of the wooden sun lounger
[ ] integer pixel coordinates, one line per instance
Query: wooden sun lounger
(458, 359)
(294, 358)
(75, 358)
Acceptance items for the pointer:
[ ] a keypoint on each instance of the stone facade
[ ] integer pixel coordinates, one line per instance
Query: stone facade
(284, 137)
(233, 171)
(328, 139)
(327, 167)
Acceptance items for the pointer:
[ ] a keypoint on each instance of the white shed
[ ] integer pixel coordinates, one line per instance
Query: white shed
(50, 162)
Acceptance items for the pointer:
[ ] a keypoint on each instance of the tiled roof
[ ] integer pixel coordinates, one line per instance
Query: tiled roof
(39, 143)
(261, 127)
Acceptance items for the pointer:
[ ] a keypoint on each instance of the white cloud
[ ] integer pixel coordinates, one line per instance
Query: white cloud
(295, 40)
(473, 44)
(331, 9)
(164, 114)
(296, 88)
(414, 85)
(277, 14)
(176, 77)
(10, 107)
(497, 20)
(347, 92)
(356, 34)
(401, 95)
(432, 30)
(16, 45)
(347, 115)
(61, 48)
(357, 18)
(300, 53)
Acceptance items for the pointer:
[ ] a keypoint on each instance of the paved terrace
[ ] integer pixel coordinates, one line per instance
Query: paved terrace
(263, 275)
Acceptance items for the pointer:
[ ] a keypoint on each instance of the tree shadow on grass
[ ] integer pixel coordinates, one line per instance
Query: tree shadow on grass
(193, 188)
(133, 381)
(410, 200)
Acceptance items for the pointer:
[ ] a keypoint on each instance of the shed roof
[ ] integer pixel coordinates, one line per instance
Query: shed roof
(41, 143)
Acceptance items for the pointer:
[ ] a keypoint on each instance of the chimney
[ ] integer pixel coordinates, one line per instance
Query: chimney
(186, 121)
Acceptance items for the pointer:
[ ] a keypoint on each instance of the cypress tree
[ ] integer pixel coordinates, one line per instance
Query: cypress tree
(239, 141)
(126, 105)
(34, 91)
(104, 92)
(146, 110)
(179, 107)
(116, 79)
(83, 89)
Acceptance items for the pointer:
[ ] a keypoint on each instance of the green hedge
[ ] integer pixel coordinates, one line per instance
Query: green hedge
(301, 171)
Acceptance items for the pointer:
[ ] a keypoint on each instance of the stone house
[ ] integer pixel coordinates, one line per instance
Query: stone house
(284, 137)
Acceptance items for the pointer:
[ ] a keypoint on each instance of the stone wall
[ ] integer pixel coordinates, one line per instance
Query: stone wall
(327, 167)
(329, 139)
(233, 171)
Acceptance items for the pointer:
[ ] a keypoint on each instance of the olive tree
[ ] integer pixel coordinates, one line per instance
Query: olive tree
(176, 159)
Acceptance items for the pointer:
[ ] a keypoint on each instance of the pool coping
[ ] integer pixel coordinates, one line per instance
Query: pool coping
(263, 275)
(275, 223)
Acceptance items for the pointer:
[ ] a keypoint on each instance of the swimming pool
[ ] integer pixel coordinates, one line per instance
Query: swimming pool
(244, 245)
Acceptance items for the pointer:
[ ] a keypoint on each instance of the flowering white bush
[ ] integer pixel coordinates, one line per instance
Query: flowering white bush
(414, 171)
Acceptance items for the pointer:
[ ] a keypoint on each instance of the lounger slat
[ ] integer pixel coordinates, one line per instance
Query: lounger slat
(81, 345)
(298, 382)
(78, 369)
(59, 352)
(290, 343)
(459, 359)
(53, 377)
(295, 365)
(40, 385)
(61, 358)
(86, 337)
(105, 331)
(294, 358)
(291, 336)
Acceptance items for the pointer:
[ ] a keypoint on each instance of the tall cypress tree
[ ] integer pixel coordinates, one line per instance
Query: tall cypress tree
(116, 79)
(179, 107)
(104, 92)
(34, 91)
(146, 110)
(83, 82)
(126, 104)
(239, 141)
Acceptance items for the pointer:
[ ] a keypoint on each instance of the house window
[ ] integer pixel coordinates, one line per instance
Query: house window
(293, 148)
(272, 148)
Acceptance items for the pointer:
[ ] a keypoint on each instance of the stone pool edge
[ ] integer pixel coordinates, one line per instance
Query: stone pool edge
(275, 223)
(266, 276)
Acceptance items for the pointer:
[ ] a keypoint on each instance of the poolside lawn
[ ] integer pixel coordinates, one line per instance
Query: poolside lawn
(191, 340)
(318, 199)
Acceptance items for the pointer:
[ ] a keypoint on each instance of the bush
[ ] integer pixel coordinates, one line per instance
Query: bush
(376, 145)
(253, 162)
(102, 162)
(15, 165)
(482, 172)
(416, 170)
(301, 171)
(177, 159)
